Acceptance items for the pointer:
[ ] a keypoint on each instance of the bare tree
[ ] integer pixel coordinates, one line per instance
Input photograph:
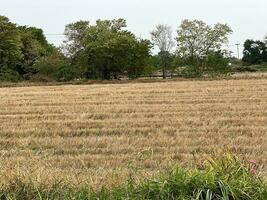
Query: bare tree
(162, 38)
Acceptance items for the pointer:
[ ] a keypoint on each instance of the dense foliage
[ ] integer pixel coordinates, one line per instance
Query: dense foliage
(20, 48)
(255, 52)
(200, 46)
(10, 49)
(106, 50)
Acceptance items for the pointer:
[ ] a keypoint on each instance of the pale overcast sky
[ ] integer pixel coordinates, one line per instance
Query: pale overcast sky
(248, 18)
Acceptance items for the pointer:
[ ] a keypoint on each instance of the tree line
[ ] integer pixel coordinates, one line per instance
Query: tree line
(107, 50)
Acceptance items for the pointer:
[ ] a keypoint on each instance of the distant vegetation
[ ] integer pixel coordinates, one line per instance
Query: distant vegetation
(107, 50)
(255, 52)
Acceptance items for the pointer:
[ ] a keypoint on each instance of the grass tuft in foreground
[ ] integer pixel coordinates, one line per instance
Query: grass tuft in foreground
(225, 178)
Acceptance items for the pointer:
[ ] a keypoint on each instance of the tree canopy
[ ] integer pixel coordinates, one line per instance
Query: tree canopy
(255, 52)
(10, 45)
(200, 46)
(106, 49)
(20, 48)
(195, 39)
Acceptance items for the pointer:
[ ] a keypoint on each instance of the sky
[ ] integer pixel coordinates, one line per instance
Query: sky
(247, 18)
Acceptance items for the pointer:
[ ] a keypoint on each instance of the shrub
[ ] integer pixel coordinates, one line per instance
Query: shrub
(217, 64)
(56, 67)
(189, 71)
(225, 178)
(48, 66)
(150, 70)
(244, 69)
(41, 78)
(9, 75)
(69, 72)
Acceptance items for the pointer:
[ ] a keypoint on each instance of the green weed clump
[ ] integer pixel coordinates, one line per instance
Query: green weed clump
(225, 178)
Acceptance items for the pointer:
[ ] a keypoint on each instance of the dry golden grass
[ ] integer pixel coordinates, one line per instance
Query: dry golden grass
(97, 134)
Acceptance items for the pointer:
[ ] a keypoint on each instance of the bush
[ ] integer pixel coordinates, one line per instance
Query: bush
(69, 72)
(56, 67)
(42, 78)
(223, 178)
(48, 66)
(150, 70)
(189, 71)
(217, 64)
(244, 69)
(9, 75)
(262, 67)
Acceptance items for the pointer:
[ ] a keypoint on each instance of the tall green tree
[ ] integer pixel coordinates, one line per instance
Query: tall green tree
(76, 34)
(10, 50)
(196, 39)
(10, 45)
(105, 49)
(255, 52)
(20, 48)
(34, 47)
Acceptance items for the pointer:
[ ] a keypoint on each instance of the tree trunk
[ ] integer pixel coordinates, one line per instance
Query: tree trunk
(163, 63)
(164, 71)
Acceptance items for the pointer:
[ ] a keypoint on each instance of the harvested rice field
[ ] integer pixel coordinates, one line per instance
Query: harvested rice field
(99, 134)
